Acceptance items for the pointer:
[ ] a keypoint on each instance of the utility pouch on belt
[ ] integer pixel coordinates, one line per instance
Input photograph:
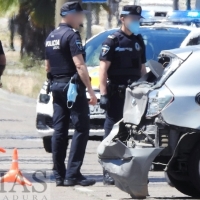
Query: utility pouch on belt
(80, 85)
(111, 89)
(49, 82)
(122, 90)
(114, 88)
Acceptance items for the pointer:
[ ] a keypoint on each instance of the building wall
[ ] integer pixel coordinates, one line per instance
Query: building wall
(183, 5)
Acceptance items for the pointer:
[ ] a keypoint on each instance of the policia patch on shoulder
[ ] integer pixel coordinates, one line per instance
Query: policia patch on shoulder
(137, 46)
(105, 50)
(79, 44)
(111, 36)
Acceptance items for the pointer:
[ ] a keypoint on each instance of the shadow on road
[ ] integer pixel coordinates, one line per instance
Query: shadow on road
(92, 138)
(98, 178)
(173, 198)
(180, 198)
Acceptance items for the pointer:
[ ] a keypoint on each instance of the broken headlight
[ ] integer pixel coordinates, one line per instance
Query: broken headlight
(158, 100)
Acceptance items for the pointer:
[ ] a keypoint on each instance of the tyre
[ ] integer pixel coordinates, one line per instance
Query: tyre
(133, 197)
(163, 160)
(184, 186)
(194, 167)
(47, 144)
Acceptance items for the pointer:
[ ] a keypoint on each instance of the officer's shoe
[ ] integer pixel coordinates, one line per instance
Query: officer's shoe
(107, 179)
(70, 182)
(62, 182)
(80, 181)
(85, 182)
(59, 182)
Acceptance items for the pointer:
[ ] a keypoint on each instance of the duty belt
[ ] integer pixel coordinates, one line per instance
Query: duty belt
(61, 79)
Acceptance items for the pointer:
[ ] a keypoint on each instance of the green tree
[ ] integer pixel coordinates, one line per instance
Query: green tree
(5, 5)
(35, 19)
(41, 11)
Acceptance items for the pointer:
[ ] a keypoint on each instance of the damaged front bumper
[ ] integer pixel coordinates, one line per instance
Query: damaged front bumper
(129, 167)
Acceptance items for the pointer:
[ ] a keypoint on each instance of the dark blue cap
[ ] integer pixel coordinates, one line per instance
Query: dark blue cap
(132, 10)
(71, 7)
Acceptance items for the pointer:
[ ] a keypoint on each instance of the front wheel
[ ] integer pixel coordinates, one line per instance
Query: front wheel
(188, 183)
(184, 186)
(194, 167)
(48, 145)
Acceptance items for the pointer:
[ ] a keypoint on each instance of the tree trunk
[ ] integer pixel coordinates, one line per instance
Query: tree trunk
(136, 2)
(188, 4)
(176, 4)
(59, 4)
(89, 21)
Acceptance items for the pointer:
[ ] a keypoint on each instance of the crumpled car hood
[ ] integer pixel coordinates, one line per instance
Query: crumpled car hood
(129, 167)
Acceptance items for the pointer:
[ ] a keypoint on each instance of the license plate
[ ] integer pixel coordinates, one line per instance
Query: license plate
(96, 110)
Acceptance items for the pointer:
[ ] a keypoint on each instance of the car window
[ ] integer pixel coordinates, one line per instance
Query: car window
(155, 40)
(93, 48)
(194, 41)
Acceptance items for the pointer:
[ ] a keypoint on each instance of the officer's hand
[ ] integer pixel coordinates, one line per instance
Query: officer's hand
(104, 102)
(93, 98)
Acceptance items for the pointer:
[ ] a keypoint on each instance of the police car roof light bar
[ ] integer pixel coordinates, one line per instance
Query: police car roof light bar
(173, 16)
(188, 14)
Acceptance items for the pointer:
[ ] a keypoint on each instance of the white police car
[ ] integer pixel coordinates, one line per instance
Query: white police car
(157, 37)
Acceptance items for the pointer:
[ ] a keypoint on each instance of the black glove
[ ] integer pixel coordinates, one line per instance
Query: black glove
(104, 102)
(49, 76)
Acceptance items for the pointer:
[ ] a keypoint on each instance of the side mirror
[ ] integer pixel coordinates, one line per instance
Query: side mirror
(156, 68)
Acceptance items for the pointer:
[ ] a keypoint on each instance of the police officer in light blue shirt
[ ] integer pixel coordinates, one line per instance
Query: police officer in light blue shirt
(65, 62)
(122, 61)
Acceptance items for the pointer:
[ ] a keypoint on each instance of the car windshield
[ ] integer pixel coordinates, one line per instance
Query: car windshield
(156, 40)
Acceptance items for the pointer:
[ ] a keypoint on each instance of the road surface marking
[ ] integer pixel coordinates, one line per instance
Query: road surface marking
(82, 189)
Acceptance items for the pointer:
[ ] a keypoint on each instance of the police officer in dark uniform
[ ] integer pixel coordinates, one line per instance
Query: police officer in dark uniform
(65, 60)
(122, 61)
(2, 62)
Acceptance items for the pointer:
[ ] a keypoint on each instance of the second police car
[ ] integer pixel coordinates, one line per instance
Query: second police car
(164, 32)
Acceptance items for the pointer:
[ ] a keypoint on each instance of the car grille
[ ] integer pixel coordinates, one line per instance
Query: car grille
(43, 121)
(97, 123)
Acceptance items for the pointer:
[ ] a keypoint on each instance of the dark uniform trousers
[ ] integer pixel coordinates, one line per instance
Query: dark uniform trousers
(79, 115)
(114, 112)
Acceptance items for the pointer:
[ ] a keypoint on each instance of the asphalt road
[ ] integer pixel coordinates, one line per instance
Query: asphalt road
(17, 130)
